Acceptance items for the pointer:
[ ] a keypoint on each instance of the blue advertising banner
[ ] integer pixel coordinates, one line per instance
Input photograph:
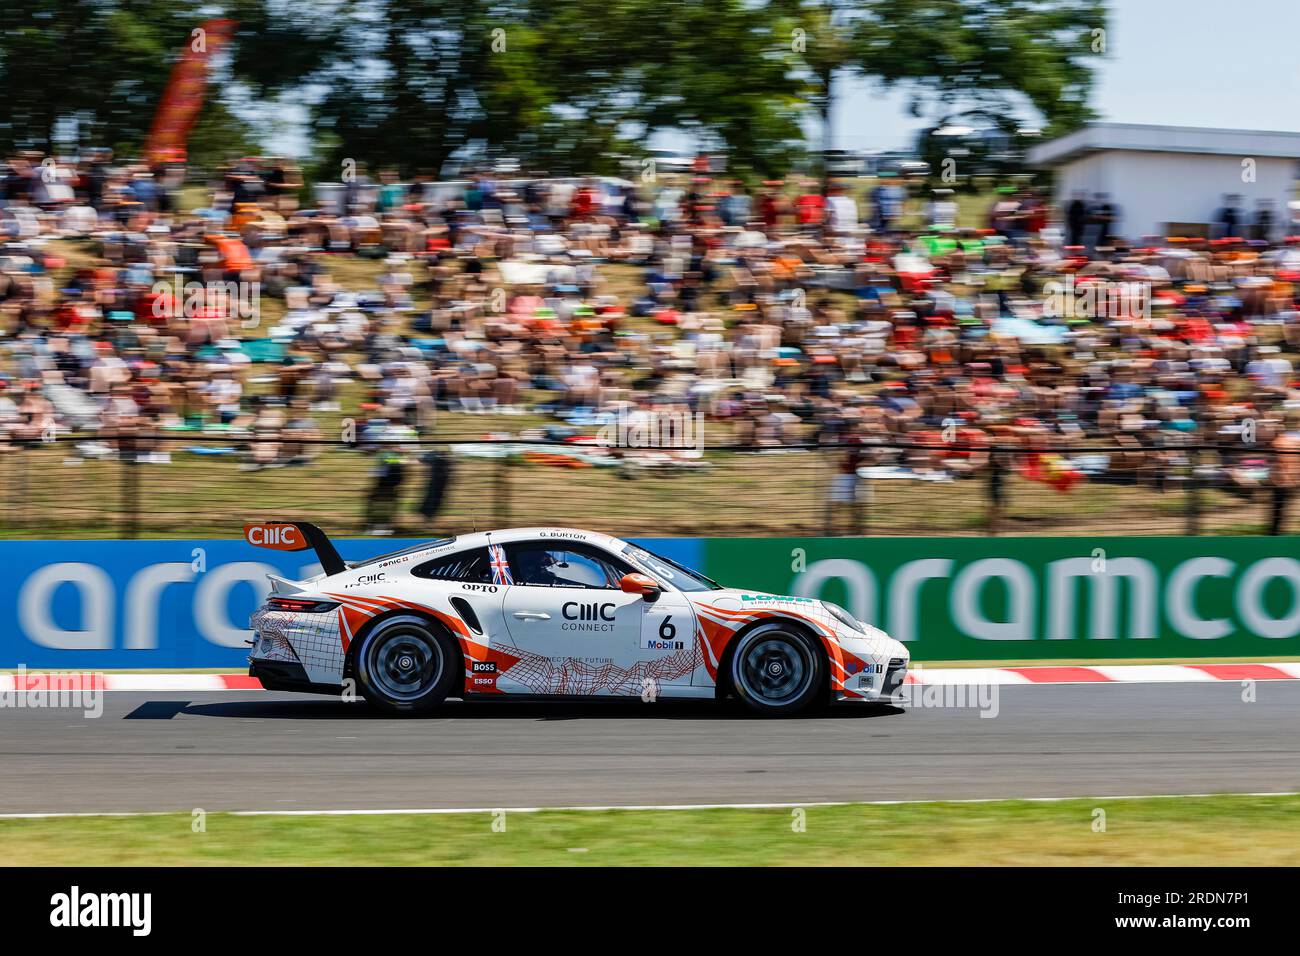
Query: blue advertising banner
(112, 605)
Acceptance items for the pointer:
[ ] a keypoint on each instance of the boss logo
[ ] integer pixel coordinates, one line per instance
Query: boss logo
(575, 611)
(484, 667)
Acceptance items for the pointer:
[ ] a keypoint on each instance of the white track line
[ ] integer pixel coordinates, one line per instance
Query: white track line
(181, 682)
(436, 811)
(1153, 673)
(965, 675)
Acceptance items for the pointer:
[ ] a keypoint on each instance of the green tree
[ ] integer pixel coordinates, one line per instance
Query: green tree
(92, 72)
(715, 70)
(972, 54)
(77, 71)
(566, 85)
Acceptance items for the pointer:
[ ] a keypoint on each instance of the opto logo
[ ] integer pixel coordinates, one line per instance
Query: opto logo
(280, 537)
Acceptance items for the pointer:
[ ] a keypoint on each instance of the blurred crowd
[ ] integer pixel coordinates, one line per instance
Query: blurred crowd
(871, 314)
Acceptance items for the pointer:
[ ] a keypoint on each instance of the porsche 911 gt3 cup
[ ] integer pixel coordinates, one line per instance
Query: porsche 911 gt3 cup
(552, 612)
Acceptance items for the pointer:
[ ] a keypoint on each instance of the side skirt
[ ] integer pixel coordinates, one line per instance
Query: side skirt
(674, 692)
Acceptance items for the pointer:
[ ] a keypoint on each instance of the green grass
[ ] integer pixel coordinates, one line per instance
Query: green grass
(1219, 831)
(194, 196)
(50, 496)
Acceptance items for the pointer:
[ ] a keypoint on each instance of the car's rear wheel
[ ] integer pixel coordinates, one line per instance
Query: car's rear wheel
(776, 669)
(405, 666)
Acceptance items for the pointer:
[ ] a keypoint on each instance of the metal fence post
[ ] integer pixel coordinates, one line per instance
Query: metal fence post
(826, 488)
(997, 490)
(22, 498)
(1279, 491)
(1193, 493)
(502, 492)
(130, 491)
(861, 499)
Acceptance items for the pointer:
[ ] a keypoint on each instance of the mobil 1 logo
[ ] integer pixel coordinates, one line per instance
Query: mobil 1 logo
(664, 638)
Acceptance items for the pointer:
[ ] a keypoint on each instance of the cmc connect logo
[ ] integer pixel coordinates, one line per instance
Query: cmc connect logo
(282, 537)
(573, 611)
(581, 616)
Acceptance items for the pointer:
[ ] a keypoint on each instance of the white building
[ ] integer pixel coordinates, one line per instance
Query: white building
(1171, 180)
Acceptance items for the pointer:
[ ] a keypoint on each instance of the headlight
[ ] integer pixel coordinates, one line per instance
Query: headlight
(843, 616)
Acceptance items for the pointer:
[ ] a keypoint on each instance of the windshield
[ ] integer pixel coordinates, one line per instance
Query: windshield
(679, 576)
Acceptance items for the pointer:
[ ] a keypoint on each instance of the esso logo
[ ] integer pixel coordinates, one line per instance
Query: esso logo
(281, 537)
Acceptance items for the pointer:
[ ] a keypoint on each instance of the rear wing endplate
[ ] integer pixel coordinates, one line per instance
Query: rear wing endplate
(296, 536)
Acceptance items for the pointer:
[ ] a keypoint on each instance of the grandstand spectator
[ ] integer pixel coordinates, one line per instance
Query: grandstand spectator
(566, 299)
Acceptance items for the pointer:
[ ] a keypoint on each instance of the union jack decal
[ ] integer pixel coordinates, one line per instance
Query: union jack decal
(500, 566)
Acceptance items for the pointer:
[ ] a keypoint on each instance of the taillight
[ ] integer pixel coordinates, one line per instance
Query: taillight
(300, 606)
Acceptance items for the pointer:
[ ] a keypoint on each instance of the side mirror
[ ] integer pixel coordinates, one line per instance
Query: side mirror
(641, 584)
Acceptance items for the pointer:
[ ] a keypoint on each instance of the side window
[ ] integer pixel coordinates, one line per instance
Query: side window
(467, 566)
(541, 564)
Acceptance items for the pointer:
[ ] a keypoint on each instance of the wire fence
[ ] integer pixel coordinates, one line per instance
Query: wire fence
(187, 485)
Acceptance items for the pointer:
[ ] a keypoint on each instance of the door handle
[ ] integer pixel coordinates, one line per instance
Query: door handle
(532, 615)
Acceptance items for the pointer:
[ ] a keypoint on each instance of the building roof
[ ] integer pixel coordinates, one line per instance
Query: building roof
(1100, 137)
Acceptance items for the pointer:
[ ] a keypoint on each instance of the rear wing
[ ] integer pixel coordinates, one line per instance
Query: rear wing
(296, 536)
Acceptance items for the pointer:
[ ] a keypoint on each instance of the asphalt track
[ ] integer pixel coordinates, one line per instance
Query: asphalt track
(262, 751)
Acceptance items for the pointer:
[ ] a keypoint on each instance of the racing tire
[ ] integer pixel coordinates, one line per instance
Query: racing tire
(405, 666)
(777, 670)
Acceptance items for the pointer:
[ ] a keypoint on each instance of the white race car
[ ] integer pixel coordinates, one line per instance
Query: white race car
(554, 612)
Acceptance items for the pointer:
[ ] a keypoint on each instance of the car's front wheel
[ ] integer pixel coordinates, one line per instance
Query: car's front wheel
(776, 669)
(405, 666)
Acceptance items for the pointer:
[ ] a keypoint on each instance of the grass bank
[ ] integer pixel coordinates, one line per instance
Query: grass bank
(1181, 831)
